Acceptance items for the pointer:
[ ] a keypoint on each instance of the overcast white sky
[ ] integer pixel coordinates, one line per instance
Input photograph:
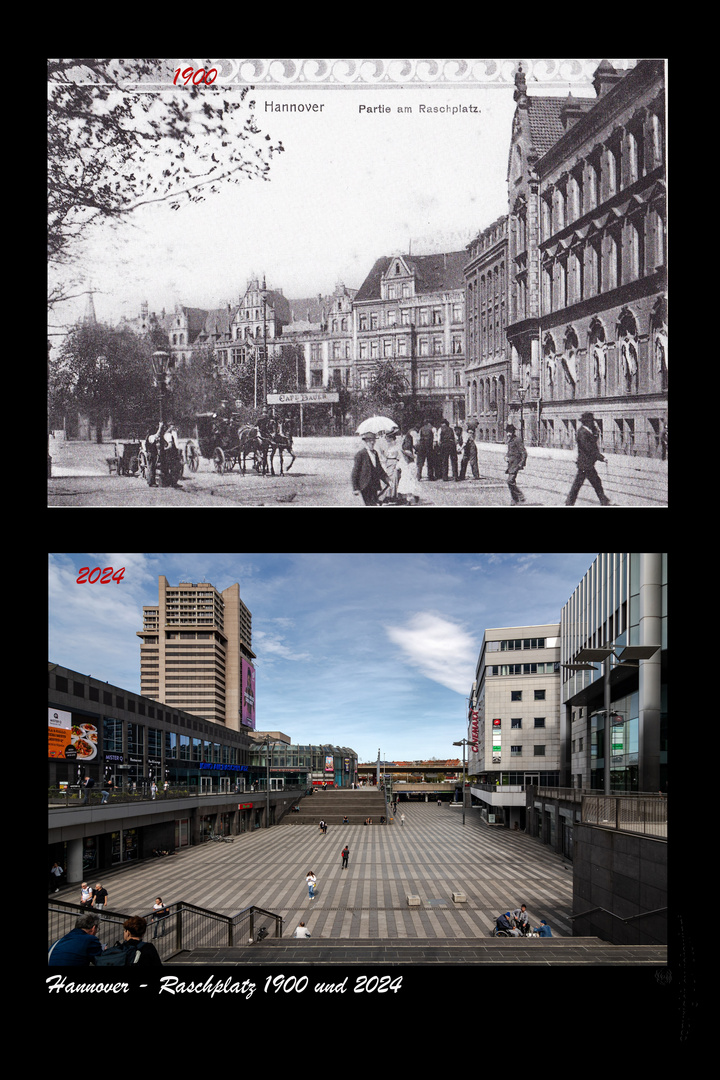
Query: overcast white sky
(349, 188)
(370, 651)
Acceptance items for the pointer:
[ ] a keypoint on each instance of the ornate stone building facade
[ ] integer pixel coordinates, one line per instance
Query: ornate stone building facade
(487, 375)
(587, 254)
(410, 310)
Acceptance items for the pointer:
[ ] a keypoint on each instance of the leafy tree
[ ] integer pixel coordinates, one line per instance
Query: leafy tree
(112, 148)
(104, 373)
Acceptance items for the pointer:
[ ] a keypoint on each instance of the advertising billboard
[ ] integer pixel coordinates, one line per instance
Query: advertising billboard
(247, 694)
(73, 742)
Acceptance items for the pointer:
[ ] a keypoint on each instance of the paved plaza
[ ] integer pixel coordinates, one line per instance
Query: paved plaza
(321, 477)
(431, 856)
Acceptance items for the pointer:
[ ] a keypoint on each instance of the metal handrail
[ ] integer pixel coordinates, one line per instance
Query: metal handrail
(184, 932)
(630, 918)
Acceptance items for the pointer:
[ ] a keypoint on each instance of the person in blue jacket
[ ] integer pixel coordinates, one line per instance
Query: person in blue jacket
(78, 948)
(543, 929)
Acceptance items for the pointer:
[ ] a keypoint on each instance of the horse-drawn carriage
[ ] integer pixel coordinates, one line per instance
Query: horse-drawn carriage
(227, 443)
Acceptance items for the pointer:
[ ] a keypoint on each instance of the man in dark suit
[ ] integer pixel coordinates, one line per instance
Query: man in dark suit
(588, 453)
(368, 476)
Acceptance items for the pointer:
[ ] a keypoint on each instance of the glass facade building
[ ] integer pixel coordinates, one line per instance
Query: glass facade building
(621, 603)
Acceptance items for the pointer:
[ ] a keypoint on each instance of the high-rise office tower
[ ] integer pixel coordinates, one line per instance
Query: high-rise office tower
(196, 654)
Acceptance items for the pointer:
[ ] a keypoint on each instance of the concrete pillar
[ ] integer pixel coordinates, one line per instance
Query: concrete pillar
(650, 673)
(74, 861)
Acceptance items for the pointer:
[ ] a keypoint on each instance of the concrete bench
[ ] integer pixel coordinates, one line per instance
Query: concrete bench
(413, 901)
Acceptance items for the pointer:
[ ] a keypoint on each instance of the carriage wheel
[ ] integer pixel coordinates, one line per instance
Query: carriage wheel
(143, 465)
(219, 460)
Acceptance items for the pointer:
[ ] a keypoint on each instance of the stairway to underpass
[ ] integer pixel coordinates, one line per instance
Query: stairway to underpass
(332, 804)
(544, 952)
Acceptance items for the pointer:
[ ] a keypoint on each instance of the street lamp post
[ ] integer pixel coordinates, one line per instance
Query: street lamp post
(161, 369)
(463, 743)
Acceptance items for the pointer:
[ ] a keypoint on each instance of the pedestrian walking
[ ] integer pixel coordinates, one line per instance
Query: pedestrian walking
(311, 883)
(588, 453)
(86, 895)
(516, 458)
(402, 819)
(159, 915)
(99, 898)
(345, 855)
(56, 873)
(153, 790)
(368, 479)
(469, 454)
(390, 460)
(88, 785)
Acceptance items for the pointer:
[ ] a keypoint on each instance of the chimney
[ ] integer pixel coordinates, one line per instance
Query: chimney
(605, 77)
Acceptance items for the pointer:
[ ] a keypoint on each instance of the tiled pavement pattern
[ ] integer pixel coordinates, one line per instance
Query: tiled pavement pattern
(431, 856)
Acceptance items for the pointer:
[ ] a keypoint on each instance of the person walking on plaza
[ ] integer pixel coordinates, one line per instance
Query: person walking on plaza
(99, 898)
(390, 460)
(86, 895)
(368, 478)
(56, 873)
(402, 819)
(588, 453)
(88, 785)
(160, 914)
(311, 883)
(345, 855)
(469, 454)
(516, 458)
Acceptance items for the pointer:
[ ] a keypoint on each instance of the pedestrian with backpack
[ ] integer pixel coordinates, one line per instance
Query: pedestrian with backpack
(345, 854)
(132, 949)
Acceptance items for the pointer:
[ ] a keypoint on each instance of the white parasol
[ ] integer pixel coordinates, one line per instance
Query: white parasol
(378, 425)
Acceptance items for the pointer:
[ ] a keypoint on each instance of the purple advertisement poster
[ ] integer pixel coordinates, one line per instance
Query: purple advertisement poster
(248, 694)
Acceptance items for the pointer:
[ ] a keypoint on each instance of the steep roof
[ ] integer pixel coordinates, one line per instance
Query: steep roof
(433, 273)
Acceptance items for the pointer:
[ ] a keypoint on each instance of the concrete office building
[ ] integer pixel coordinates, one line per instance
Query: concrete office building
(196, 653)
(515, 705)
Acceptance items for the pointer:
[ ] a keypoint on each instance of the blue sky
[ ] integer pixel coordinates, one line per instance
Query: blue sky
(369, 651)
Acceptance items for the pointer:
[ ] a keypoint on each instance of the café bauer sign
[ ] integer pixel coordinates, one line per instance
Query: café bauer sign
(305, 398)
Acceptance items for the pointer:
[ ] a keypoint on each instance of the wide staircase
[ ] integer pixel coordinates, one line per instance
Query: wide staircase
(333, 804)
(554, 952)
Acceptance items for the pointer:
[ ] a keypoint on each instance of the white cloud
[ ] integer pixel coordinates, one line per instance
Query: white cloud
(443, 651)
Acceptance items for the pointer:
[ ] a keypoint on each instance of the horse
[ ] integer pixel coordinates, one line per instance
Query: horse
(250, 442)
(281, 444)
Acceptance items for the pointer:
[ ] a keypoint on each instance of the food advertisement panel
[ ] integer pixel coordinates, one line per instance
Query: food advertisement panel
(73, 742)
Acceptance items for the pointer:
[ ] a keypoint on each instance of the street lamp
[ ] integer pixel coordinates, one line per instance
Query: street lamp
(161, 371)
(629, 657)
(522, 391)
(264, 302)
(463, 743)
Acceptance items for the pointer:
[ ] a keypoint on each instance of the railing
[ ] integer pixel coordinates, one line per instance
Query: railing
(642, 915)
(74, 796)
(187, 926)
(645, 814)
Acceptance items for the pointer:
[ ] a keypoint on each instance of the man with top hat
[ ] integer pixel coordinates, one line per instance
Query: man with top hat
(516, 458)
(588, 453)
(368, 476)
